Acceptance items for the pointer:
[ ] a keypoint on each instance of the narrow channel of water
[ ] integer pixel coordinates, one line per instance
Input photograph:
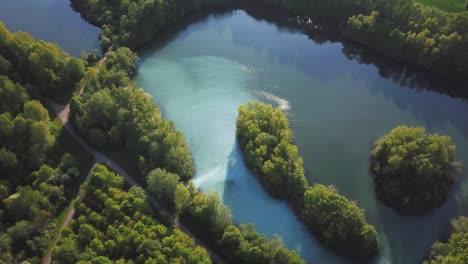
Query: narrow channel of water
(337, 106)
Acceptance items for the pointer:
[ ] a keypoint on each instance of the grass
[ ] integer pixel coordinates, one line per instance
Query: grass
(452, 6)
(58, 224)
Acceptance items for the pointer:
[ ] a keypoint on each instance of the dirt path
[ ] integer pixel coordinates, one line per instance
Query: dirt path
(71, 212)
(48, 256)
(63, 112)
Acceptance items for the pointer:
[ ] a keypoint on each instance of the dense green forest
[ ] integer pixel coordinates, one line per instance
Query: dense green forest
(41, 66)
(116, 115)
(413, 171)
(211, 220)
(267, 142)
(455, 250)
(115, 225)
(40, 168)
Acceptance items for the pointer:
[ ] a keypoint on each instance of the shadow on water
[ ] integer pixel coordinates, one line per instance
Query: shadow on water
(399, 73)
(244, 195)
(327, 66)
(403, 239)
(400, 232)
(50, 20)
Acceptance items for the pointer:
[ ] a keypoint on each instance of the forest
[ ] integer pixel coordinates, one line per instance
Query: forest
(134, 23)
(211, 220)
(267, 143)
(42, 67)
(40, 164)
(116, 115)
(43, 168)
(114, 224)
(403, 29)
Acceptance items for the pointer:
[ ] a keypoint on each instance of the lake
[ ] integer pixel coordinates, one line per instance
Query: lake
(337, 105)
(338, 97)
(50, 20)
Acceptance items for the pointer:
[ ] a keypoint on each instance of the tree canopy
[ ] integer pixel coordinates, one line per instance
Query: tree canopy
(455, 250)
(267, 142)
(211, 220)
(413, 171)
(114, 113)
(116, 225)
(43, 65)
(39, 171)
(403, 29)
(134, 23)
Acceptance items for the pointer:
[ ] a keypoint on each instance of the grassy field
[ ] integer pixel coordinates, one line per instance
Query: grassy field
(446, 5)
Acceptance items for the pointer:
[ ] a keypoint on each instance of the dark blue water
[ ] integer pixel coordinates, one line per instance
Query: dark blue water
(50, 20)
(337, 107)
(336, 98)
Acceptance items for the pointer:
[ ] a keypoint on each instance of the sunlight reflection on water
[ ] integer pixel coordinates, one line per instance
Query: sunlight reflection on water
(281, 102)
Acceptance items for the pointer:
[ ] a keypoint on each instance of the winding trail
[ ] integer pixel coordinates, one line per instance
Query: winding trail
(63, 111)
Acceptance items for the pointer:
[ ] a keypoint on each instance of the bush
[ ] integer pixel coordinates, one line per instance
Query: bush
(413, 171)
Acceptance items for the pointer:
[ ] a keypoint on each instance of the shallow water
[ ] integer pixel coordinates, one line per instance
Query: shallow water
(337, 107)
(50, 20)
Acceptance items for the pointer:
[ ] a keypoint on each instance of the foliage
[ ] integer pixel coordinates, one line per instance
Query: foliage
(413, 171)
(113, 113)
(12, 95)
(116, 226)
(163, 185)
(28, 213)
(25, 138)
(341, 223)
(41, 64)
(209, 218)
(402, 29)
(455, 251)
(38, 177)
(134, 23)
(266, 140)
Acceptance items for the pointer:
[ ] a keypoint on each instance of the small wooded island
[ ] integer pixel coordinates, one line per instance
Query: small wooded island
(413, 171)
(92, 171)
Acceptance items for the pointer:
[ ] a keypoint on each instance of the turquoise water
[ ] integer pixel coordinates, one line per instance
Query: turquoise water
(337, 107)
(337, 104)
(50, 20)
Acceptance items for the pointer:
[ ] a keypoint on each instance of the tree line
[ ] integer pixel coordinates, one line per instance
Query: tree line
(134, 23)
(403, 29)
(112, 113)
(114, 224)
(267, 143)
(42, 67)
(211, 220)
(38, 172)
